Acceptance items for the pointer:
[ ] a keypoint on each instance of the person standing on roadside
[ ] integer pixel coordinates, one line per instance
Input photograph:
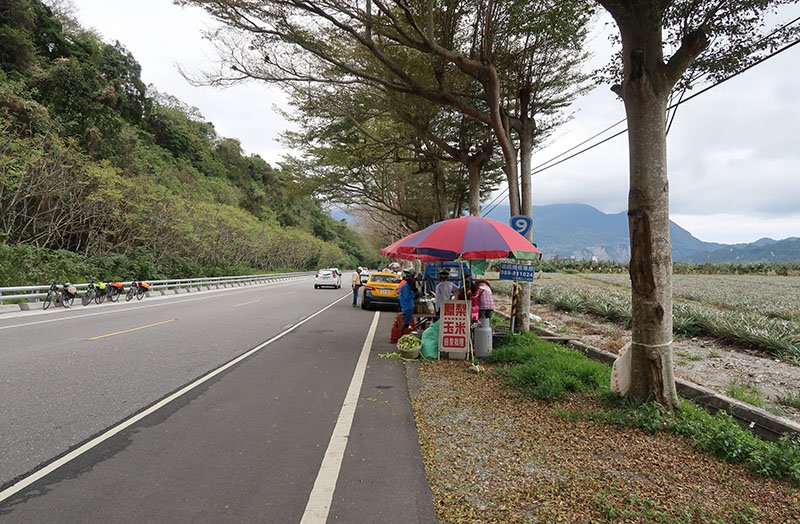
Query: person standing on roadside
(444, 290)
(485, 299)
(407, 296)
(356, 285)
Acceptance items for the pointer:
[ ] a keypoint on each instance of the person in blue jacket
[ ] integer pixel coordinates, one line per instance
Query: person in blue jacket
(407, 296)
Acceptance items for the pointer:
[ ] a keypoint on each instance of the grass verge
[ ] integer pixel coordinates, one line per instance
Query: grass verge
(547, 371)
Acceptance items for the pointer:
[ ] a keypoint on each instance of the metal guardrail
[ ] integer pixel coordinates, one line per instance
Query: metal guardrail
(32, 294)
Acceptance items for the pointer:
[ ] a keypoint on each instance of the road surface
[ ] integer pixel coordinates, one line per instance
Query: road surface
(264, 403)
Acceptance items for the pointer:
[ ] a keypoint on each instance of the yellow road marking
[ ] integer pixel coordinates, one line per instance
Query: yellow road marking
(134, 329)
(245, 303)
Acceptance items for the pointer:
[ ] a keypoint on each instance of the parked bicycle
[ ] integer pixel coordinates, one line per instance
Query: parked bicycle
(114, 290)
(137, 289)
(63, 296)
(95, 291)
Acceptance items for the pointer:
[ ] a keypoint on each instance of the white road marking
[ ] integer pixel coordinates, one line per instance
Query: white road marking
(233, 291)
(319, 502)
(27, 481)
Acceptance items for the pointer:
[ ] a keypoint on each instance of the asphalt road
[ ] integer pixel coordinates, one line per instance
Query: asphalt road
(249, 444)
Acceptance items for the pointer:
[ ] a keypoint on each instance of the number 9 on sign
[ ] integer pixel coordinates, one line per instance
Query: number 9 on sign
(521, 224)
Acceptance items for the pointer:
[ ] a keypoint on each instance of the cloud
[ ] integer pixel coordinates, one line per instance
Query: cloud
(732, 228)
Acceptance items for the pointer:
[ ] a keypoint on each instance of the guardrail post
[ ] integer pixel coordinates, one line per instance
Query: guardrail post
(27, 306)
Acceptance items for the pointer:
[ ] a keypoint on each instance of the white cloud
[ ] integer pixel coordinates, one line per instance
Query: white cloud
(732, 229)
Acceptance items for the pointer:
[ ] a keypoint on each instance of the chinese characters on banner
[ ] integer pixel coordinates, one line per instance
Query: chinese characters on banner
(454, 326)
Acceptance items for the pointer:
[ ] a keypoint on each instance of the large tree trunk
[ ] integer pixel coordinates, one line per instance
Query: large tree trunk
(525, 131)
(647, 82)
(645, 91)
(651, 250)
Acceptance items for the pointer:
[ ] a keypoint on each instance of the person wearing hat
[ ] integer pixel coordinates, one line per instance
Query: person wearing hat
(444, 290)
(356, 285)
(407, 295)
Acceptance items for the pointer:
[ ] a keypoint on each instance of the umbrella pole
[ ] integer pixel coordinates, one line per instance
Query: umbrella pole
(469, 307)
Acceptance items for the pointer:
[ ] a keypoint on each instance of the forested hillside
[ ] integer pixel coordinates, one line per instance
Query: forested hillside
(103, 177)
(786, 250)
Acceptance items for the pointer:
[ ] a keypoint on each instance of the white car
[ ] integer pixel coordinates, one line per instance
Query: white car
(364, 275)
(327, 278)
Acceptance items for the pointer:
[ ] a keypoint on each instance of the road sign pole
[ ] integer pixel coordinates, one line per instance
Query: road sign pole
(514, 299)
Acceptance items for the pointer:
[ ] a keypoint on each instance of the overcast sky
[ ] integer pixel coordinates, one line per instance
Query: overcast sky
(733, 152)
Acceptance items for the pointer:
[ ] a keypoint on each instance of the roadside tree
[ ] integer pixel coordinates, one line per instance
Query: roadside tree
(458, 43)
(715, 38)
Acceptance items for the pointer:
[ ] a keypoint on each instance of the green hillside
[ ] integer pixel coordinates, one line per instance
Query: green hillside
(102, 178)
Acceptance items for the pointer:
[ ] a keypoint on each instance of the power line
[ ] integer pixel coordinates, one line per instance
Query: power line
(547, 165)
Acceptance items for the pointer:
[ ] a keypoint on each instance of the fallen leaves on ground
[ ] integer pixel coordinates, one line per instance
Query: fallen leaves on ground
(493, 455)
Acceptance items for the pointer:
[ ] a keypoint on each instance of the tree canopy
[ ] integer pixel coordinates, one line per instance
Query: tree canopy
(95, 163)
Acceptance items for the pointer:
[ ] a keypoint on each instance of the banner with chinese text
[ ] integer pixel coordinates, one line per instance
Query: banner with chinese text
(454, 326)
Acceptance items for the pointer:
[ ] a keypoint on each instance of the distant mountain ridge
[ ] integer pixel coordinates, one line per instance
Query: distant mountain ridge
(762, 250)
(583, 232)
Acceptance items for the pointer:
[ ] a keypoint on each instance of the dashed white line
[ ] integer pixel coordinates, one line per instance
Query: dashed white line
(27, 481)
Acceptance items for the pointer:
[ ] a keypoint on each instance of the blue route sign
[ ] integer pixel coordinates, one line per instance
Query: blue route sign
(521, 224)
(516, 272)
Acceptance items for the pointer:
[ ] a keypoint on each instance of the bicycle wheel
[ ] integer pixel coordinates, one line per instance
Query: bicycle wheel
(139, 293)
(87, 297)
(66, 302)
(100, 297)
(114, 296)
(131, 293)
(47, 300)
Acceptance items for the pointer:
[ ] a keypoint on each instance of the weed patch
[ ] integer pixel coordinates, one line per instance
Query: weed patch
(548, 372)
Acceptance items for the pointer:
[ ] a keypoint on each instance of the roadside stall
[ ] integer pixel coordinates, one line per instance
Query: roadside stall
(462, 239)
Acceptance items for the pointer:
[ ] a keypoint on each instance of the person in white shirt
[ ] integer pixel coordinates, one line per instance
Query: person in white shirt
(356, 284)
(444, 290)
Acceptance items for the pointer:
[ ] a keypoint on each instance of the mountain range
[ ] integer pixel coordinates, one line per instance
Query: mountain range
(583, 232)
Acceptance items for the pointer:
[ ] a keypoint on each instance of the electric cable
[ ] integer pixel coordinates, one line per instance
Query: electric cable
(547, 165)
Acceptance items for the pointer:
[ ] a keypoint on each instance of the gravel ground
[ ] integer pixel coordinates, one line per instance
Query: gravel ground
(494, 456)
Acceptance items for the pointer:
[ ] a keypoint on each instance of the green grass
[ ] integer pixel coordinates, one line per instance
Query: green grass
(545, 370)
(549, 372)
(617, 504)
(688, 355)
(497, 320)
(749, 393)
(790, 399)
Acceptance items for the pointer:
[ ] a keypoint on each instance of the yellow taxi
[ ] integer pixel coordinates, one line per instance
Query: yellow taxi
(381, 288)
